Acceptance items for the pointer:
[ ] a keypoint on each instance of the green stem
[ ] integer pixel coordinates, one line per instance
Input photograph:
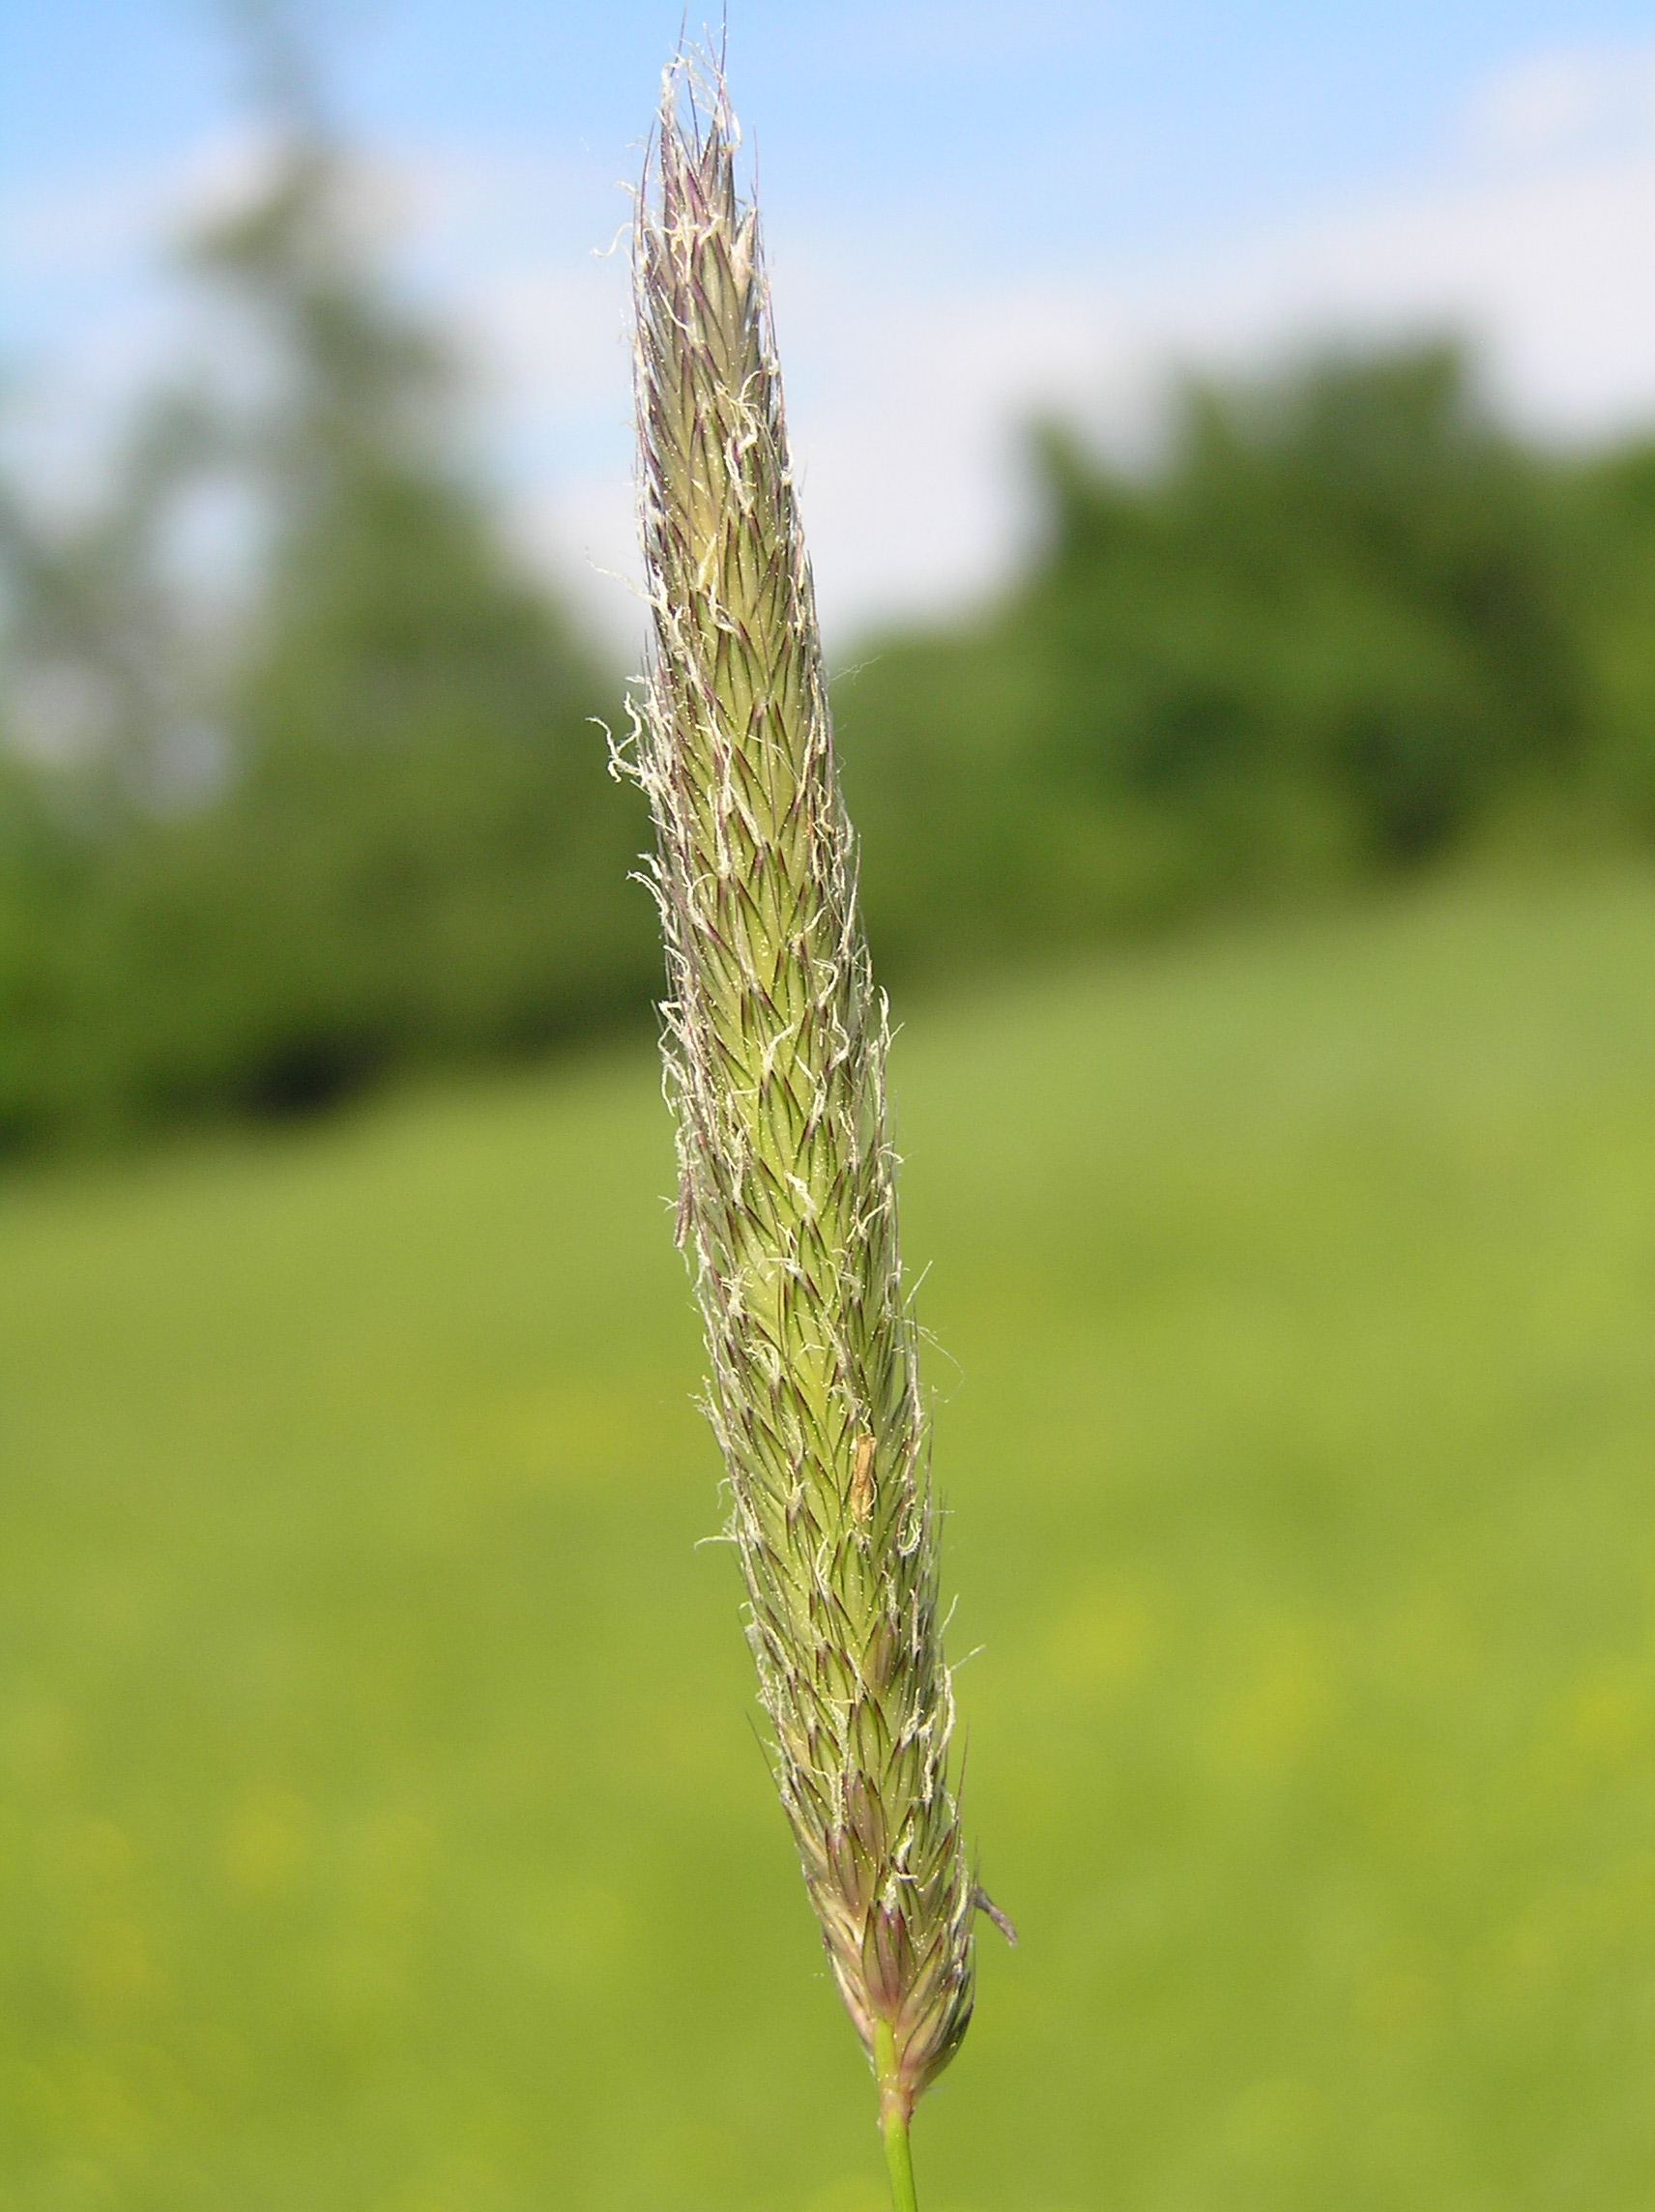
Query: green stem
(893, 2120)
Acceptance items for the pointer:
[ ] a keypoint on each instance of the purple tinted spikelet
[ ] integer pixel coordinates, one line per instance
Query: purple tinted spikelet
(775, 1042)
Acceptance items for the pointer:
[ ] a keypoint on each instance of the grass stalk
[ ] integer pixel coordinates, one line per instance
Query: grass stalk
(775, 1042)
(893, 2120)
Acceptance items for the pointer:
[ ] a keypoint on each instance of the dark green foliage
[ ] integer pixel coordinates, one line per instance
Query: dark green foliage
(423, 857)
(41, 896)
(1347, 623)
(400, 844)
(1617, 598)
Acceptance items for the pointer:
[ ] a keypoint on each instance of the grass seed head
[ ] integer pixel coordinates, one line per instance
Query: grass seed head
(774, 1040)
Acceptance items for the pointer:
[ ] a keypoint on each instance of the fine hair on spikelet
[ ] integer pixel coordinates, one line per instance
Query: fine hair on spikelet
(774, 1040)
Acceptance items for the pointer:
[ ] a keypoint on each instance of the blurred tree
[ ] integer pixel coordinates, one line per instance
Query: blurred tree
(367, 823)
(260, 846)
(42, 898)
(1340, 626)
(427, 857)
(1616, 599)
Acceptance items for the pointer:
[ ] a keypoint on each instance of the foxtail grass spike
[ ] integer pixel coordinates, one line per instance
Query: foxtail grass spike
(775, 1042)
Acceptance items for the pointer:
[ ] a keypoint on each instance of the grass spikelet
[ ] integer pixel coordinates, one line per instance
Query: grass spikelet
(774, 1040)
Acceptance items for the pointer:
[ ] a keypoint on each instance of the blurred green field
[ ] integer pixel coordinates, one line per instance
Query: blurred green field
(383, 1825)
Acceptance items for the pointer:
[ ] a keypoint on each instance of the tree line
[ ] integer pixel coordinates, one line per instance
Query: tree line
(258, 852)
(1349, 624)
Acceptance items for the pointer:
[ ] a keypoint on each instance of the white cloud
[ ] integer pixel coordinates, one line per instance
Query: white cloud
(1554, 273)
(1569, 98)
(904, 397)
(96, 223)
(1540, 245)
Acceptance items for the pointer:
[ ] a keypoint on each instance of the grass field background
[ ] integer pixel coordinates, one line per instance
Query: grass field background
(383, 1822)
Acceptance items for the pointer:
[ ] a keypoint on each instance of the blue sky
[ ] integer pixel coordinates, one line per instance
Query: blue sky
(972, 211)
